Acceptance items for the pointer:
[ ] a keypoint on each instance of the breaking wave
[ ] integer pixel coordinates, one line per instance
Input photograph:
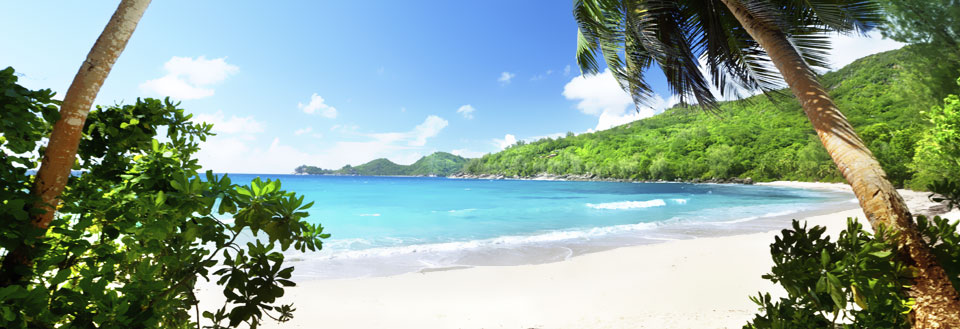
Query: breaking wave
(628, 204)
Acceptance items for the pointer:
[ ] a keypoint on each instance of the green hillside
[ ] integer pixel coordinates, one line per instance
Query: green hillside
(439, 164)
(436, 164)
(764, 138)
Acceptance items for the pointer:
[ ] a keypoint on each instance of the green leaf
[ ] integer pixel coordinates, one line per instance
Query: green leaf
(160, 198)
(256, 187)
(881, 254)
(61, 276)
(176, 185)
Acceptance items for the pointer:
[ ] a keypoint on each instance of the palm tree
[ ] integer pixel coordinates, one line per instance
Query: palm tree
(734, 45)
(61, 150)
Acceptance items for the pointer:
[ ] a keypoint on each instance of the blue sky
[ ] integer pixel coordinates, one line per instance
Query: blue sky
(330, 83)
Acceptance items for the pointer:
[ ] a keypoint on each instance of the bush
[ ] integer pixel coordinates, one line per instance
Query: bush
(138, 227)
(937, 154)
(854, 282)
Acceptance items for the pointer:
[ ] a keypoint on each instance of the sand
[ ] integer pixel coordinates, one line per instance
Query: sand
(699, 283)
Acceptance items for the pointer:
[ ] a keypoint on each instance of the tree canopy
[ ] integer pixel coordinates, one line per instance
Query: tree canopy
(138, 227)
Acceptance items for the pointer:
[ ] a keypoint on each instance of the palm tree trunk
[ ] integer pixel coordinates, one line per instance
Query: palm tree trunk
(937, 302)
(61, 149)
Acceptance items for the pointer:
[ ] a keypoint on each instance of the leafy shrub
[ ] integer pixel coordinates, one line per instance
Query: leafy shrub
(937, 154)
(946, 190)
(138, 227)
(854, 282)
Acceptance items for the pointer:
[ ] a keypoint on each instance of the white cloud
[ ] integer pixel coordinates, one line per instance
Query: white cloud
(600, 95)
(318, 105)
(175, 87)
(539, 77)
(429, 128)
(399, 147)
(344, 129)
(505, 77)
(848, 48)
(307, 130)
(597, 93)
(553, 135)
(566, 70)
(608, 120)
(302, 131)
(466, 111)
(200, 71)
(507, 140)
(189, 78)
(467, 153)
(233, 153)
(233, 125)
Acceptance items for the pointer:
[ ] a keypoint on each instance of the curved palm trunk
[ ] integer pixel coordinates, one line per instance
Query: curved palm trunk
(61, 150)
(937, 302)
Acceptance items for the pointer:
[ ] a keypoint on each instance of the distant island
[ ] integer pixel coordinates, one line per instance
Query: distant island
(440, 164)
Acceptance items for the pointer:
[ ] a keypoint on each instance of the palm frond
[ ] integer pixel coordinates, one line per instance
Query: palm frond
(700, 45)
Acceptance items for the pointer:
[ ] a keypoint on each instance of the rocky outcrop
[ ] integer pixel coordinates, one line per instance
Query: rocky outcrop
(595, 178)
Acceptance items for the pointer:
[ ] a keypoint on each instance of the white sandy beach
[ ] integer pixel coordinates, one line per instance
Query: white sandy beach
(698, 283)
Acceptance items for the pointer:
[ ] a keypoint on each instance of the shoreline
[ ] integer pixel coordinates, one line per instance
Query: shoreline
(562, 178)
(560, 244)
(694, 283)
(595, 178)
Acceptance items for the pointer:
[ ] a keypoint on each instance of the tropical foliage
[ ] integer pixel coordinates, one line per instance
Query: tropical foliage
(933, 27)
(935, 22)
(138, 227)
(938, 150)
(853, 282)
(760, 137)
(688, 38)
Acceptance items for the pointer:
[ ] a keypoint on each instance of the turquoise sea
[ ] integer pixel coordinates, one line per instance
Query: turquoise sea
(392, 225)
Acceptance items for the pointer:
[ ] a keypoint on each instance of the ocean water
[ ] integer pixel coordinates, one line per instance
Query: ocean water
(392, 225)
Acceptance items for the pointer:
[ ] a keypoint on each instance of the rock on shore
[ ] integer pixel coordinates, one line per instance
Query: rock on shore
(592, 177)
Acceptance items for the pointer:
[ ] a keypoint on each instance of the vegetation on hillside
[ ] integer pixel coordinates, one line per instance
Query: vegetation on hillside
(759, 137)
(436, 164)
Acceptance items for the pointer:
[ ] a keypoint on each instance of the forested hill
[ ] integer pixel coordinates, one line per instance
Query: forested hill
(436, 164)
(761, 138)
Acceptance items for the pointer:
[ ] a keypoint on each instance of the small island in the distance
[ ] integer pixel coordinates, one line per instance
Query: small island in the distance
(440, 164)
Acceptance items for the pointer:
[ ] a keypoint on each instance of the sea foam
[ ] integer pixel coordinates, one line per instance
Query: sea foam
(628, 204)
(502, 241)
